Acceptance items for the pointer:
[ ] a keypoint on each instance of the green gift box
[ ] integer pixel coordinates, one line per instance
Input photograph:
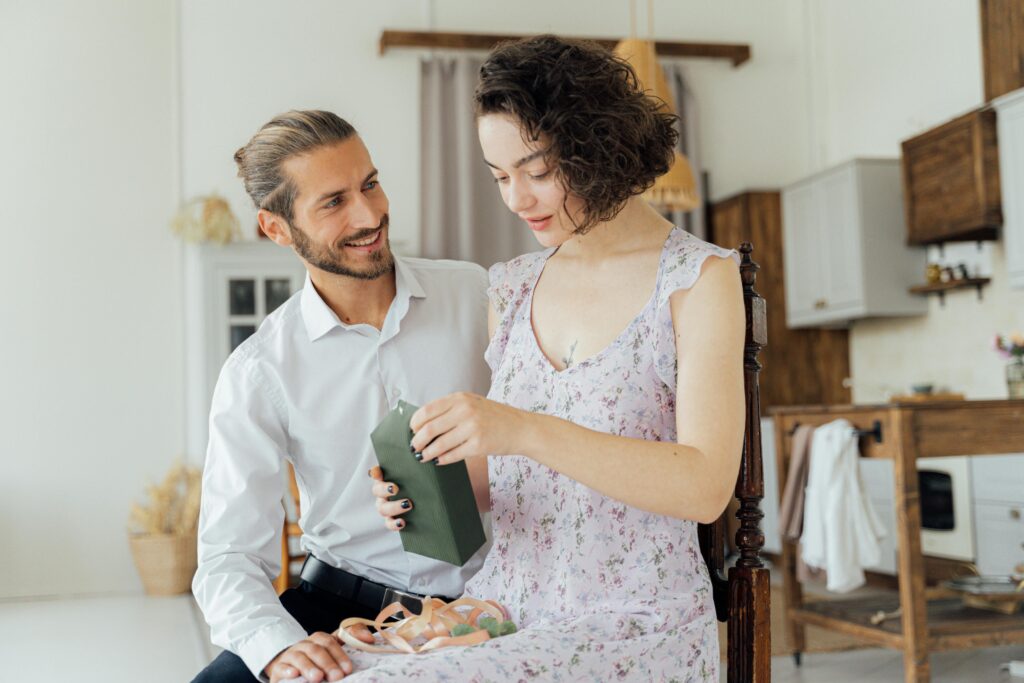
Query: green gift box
(444, 522)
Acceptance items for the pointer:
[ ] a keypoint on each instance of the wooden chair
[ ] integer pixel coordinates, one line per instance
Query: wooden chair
(291, 530)
(743, 599)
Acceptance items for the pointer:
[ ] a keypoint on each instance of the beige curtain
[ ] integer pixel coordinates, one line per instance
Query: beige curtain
(462, 215)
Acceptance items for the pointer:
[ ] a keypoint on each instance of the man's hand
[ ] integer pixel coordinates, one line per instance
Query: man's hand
(319, 657)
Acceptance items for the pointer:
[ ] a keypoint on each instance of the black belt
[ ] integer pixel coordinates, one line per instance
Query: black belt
(354, 588)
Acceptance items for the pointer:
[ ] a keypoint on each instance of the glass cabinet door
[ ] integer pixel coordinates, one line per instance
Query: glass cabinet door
(250, 300)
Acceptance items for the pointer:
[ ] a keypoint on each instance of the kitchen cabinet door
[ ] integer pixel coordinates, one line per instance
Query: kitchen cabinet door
(1000, 537)
(1010, 123)
(998, 478)
(843, 284)
(803, 253)
(845, 257)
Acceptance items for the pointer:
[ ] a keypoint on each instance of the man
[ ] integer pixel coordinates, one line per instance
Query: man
(308, 387)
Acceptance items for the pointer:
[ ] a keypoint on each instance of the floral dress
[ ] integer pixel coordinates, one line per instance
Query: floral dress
(600, 590)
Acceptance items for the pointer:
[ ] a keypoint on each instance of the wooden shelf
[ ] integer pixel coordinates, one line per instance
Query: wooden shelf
(734, 52)
(941, 288)
(951, 625)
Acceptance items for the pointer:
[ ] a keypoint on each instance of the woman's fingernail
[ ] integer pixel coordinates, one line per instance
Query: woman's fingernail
(419, 456)
(412, 449)
(391, 489)
(334, 674)
(406, 505)
(399, 523)
(347, 666)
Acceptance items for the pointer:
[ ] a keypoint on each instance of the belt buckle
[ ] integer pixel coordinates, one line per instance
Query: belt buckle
(413, 603)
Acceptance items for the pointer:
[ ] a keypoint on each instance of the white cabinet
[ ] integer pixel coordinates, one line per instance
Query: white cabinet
(997, 482)
(1010, 132)
(845, 256)
(1000, 537)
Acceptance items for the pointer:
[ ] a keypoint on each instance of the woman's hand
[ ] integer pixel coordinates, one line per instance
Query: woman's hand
(387, 508)
(464, 425)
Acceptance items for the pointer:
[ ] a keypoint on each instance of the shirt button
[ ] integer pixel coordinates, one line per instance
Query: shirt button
(396, 393)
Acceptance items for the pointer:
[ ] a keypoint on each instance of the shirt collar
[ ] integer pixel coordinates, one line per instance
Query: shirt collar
(320, 319)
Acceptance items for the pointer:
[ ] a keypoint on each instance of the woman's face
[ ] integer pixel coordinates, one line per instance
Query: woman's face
(528, 185)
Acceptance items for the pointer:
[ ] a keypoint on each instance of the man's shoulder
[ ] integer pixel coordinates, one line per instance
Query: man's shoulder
(446, 271)
(439, 268)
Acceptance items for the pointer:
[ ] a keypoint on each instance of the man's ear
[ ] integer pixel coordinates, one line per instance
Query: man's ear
(275, 227)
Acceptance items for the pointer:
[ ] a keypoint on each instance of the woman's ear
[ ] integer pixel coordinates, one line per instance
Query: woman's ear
(275, 227)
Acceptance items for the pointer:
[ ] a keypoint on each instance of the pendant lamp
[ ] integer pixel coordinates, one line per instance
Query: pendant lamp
(677, 189)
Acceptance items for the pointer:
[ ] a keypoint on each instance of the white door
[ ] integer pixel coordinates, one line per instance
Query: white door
(802, 245)
(841, 238)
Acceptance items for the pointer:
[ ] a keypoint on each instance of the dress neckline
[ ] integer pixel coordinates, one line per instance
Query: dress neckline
(619, 339)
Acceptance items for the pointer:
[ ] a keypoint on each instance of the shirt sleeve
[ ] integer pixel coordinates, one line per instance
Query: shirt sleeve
(241, 518)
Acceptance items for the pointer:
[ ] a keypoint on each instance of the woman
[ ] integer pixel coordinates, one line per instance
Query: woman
(615, 418)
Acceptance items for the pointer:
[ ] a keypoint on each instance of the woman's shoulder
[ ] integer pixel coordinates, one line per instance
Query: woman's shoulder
(511, 280)
(683, 261)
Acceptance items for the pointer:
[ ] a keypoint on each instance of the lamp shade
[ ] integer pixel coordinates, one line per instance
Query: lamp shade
(677, 189)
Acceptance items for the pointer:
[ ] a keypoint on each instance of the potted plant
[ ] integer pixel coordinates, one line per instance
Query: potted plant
(1011, 347)
(162, 532)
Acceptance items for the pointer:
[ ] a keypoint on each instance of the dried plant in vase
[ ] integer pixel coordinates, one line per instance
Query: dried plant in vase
(206, 219)
(162, 531)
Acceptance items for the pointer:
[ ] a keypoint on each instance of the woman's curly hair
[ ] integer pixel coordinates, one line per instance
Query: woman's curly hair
(609, 141)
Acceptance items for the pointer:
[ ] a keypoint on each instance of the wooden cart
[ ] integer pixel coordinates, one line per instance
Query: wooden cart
(933, 619)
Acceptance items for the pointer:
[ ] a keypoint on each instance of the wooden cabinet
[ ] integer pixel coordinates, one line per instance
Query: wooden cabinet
(844, 255)
(800, 366)
(1010, 124)
(951, 181)
(1002, 46)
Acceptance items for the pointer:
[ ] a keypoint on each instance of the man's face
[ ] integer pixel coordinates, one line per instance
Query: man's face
(340, 214)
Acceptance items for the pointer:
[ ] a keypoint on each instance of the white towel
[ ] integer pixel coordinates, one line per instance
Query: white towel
(841, 529)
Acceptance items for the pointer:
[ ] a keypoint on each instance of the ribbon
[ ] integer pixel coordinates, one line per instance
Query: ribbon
(434, 623)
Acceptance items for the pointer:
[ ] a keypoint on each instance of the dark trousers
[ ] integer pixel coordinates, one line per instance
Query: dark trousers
(315, 609)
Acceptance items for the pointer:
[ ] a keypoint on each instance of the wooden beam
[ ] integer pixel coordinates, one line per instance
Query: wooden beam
(736, 53)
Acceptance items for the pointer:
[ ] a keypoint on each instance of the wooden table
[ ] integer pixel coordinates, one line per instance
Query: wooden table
(932, 620)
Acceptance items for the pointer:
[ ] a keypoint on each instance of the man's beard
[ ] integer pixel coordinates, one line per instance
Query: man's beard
(332, 258)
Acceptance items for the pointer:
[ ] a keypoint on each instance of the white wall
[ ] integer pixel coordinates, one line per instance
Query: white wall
(881, 72)
(91, 350)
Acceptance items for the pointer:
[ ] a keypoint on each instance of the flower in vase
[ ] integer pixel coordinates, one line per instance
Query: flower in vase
(1010, 346)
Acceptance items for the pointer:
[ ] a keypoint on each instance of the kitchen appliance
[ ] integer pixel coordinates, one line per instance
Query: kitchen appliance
(947, 518)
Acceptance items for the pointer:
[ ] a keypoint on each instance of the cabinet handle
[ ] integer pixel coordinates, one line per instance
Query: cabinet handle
(820, 303)
(1014, 513)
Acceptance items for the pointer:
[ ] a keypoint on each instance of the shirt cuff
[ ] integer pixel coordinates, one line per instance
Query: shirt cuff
(264, 645)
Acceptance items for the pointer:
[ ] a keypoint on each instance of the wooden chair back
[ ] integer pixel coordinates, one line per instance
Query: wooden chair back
(743, 598)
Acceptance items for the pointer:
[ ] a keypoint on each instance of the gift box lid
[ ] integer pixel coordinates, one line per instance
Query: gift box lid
(444, 522)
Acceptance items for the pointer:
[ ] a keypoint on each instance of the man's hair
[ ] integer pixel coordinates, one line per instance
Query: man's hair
(286, 135)
(608, 140)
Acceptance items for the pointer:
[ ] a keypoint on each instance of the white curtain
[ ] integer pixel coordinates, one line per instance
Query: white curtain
(462, 215)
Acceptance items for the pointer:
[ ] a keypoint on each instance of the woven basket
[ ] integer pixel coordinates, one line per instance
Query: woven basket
(166, 563)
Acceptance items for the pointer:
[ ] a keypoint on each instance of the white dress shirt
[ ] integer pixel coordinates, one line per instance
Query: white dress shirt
(309, 389)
